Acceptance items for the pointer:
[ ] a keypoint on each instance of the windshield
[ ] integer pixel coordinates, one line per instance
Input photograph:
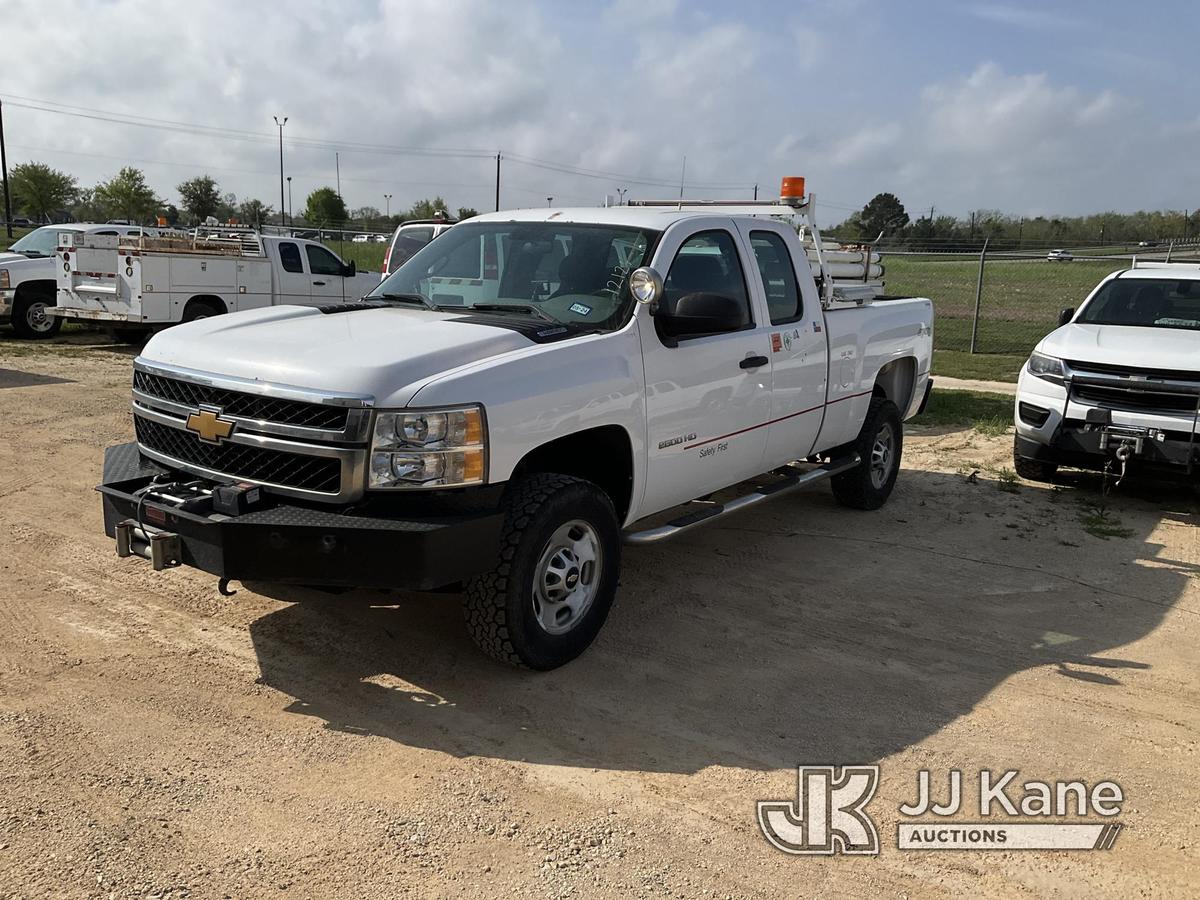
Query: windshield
(42, 242)
(566, 272)
(1146, 303)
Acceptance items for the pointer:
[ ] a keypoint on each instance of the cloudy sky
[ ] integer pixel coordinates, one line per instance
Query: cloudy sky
(1026, 107)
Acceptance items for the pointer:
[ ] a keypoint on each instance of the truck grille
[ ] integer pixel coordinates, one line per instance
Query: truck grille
(1130, 398)
(292, 470)
(241, 405)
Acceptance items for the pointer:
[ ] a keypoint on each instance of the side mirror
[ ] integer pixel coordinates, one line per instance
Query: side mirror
(701, 313)
(350, 269)
(1066, 314)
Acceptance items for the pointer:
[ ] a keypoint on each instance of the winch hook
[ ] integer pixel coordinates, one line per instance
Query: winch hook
(223, 588)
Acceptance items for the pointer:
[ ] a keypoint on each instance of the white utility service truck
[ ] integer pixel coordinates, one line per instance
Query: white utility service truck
(1117, 385)
(525, 394)
(142, 283)
(27, 275)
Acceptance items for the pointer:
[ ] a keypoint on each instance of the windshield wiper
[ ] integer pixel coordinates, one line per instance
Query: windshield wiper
(405, 298)
(515, 307)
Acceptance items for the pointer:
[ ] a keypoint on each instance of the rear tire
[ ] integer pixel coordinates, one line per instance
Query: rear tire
(201, 309)
(30, 319)
(1033, 469)
(879, 444)
(560, 554)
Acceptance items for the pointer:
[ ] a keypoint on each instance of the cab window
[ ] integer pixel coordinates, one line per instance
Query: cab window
(321, 261)
(289, 258)
(778, 276)
(708, 263)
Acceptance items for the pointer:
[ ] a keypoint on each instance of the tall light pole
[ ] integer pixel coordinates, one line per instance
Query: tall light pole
(281, 123)
(621, 192)
(291, 219)
(387, 199)
(549, 201)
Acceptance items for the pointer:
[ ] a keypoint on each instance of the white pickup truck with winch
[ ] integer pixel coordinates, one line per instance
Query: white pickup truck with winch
(526, 394)
(1117, 386)
(139, 283)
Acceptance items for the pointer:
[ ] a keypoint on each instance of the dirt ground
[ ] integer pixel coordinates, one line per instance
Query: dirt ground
(159, 740)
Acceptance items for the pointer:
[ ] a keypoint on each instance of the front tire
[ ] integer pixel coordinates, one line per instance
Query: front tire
(547, 598)
(1033, 469)
(879, 445)
(31, 320)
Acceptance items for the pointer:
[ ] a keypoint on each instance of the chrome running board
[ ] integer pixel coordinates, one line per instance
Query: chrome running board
(762, 494)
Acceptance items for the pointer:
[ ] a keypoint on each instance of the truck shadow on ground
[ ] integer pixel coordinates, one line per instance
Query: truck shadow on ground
(802, 632)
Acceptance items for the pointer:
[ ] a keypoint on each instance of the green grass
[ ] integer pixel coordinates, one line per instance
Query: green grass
(368, 257)
(1019, 303)
(989, 414)
(1099, 523)
(978, 366)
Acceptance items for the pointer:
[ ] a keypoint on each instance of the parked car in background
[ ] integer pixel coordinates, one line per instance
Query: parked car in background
(1060, 256)
(160, 282)
(1117, 385)
(360, 239)
(1147, 243)
(409, 238)
(379, 238)
(27, 275)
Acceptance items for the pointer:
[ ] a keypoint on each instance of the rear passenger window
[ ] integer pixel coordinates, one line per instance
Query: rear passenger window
(289, 258)
(778, 276)
(708, 262)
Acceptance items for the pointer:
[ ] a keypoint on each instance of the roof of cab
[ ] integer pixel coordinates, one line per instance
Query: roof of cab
(655, 217)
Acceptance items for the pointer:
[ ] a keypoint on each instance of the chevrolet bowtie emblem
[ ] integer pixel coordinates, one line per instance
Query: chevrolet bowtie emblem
(209, 426)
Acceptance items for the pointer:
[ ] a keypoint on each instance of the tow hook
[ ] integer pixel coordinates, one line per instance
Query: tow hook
(223, 588)
(1123, 454)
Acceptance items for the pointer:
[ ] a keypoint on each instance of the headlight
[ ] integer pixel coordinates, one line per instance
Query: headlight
(428, 448)
(1048, 367)
(4, 282)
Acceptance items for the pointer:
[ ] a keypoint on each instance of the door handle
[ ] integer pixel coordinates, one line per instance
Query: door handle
(319, 283)
(753, 362)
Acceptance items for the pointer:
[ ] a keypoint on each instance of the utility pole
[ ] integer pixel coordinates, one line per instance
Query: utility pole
(281, 124)
(291, 220)
(337, 166)
(387, 199)
(972, 225)
(682, 178)
(756, 193)
(4, 175)
(497, 181)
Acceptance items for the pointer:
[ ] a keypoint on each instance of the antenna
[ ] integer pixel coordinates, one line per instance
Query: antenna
(682, 176)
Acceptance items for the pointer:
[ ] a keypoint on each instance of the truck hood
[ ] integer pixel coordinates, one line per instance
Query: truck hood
(387, 354)
(13, 261)
(1123, 345)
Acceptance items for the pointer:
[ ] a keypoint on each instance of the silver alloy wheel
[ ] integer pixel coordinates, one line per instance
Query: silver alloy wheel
(36, 318)
(567, 577)
(881, 455)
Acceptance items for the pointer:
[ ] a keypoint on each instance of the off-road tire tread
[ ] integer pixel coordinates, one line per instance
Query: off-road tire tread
(483, 607)
(1033, 469)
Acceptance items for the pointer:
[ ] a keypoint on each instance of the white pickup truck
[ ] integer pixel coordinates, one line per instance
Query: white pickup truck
(27, 275)
(1117, 385)
(131, 284)
(522, 396)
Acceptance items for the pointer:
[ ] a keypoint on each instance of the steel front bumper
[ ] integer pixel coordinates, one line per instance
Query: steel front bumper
(292, 543)
(6, 303)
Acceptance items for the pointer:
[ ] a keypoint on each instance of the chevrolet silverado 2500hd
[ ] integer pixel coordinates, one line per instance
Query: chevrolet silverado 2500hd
(1118, 384)
(522, 396)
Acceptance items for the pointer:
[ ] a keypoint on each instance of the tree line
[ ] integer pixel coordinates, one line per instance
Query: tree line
(48, 195)
(885, 215)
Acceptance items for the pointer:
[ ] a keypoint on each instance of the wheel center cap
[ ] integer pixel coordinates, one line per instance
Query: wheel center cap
(572, 579)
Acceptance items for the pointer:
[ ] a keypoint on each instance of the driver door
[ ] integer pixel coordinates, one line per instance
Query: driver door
(708, 398)
(328, 276)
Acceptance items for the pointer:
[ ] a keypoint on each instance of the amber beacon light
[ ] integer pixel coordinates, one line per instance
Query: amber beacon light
(791, 190)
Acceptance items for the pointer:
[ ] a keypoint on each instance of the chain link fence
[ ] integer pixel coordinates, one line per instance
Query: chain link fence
(1006, 302)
